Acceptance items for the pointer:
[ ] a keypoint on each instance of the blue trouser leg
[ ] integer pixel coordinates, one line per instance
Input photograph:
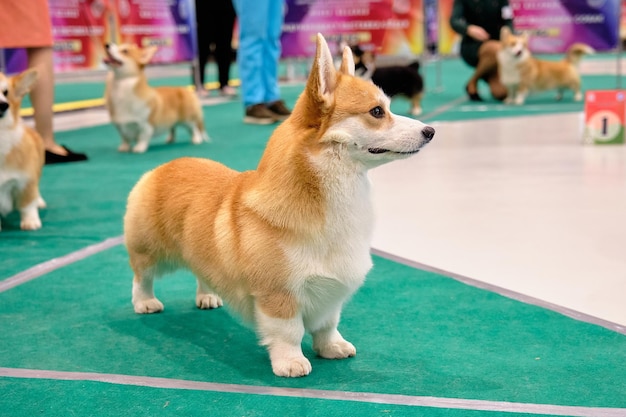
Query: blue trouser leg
(260, 24)
(272, 50)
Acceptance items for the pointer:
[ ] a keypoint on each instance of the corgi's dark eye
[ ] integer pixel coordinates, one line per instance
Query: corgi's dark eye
(377, 112)
(5, 92)
(124, 51)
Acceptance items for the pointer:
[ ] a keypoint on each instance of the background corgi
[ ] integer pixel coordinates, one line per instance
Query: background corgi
(22, 153)
(285, 245)
(520, 72)
(395, 80)
(140, 111)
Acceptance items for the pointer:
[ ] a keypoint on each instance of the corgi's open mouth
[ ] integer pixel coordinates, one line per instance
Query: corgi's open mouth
(110, 60)
(383, 150)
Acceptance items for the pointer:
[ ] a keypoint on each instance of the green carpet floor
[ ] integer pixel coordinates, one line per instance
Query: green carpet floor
(417, 333)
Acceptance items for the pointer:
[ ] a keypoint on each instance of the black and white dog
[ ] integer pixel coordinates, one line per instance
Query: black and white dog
(404, 80)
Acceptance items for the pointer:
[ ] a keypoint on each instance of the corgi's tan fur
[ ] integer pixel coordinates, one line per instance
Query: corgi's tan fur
(287, 244)
(140, 111)
(22, 153)
(522, 73)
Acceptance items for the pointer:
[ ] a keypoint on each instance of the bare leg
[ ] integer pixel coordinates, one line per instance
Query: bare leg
(42, 96)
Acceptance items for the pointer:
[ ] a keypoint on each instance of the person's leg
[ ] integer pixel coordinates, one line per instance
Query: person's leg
(223, 43)
(272, 49)
(203, 28)
(252, 31)
(42, 96)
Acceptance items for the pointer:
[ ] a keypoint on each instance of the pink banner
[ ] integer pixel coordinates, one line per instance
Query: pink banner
(386, 26)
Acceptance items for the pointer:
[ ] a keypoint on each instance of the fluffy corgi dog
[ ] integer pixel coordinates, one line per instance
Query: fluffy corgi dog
(404, 80)
(287, 244)
(139, 111)
(22, 153)
(521, 73)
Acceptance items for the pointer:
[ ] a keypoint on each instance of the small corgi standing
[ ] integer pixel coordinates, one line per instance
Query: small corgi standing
(521, 73)
(287, 244)
(22, 153)
(140, 111)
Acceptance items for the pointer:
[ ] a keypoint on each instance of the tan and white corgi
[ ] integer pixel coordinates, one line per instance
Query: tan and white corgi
(522, 73)
(22, 153)
(140, 111)
(287, 244)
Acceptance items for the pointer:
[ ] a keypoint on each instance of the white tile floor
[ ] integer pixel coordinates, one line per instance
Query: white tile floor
(518, 203)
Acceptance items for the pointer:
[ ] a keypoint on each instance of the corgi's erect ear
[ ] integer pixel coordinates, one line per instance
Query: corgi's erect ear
(147, 53)
(24, 82)
(323, 78)
(347, 61)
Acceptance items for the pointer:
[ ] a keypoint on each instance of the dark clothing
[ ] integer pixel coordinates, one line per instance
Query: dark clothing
(215, 20)
(491, 15)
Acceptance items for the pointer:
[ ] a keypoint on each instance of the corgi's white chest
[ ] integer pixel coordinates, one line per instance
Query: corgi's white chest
(334, 264)
(126, 106)
(509, 72)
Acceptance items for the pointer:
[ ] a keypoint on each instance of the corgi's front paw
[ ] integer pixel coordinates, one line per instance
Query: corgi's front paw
(519, 100)
(32, 223)
(208, 301)
(578, 96)
(416, 111)
(508, 100)
(151, 305)
(340, 349)
(291, 367)
(124, 147)
(140, 147)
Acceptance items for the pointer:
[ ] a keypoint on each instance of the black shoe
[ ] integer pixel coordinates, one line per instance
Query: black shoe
(259, 114)
(279, 108)
(473, 96)
(54, 158)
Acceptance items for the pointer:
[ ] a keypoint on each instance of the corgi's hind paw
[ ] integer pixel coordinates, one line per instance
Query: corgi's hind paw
(337, 350)
(208, 301)
(291, 367)
(140, 147)
(151, 305)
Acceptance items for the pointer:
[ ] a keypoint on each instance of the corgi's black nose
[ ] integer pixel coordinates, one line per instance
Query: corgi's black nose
(3, 107)
(107, 45)
(428, 132)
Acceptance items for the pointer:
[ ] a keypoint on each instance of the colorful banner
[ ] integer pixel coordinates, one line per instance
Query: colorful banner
(392, 27)
(81, 28)
(554, 25)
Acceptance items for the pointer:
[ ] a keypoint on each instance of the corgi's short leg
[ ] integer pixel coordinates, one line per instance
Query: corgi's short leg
(520, 97)
(416, 104)
(205, 299)
(29, 216)
(29, 207)
(510, 94)
(171, 138)
(283, 338)
(41, 203)
(198, 134)
(143, 139)
(143, 299)
(126, 140)
(328, 342)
